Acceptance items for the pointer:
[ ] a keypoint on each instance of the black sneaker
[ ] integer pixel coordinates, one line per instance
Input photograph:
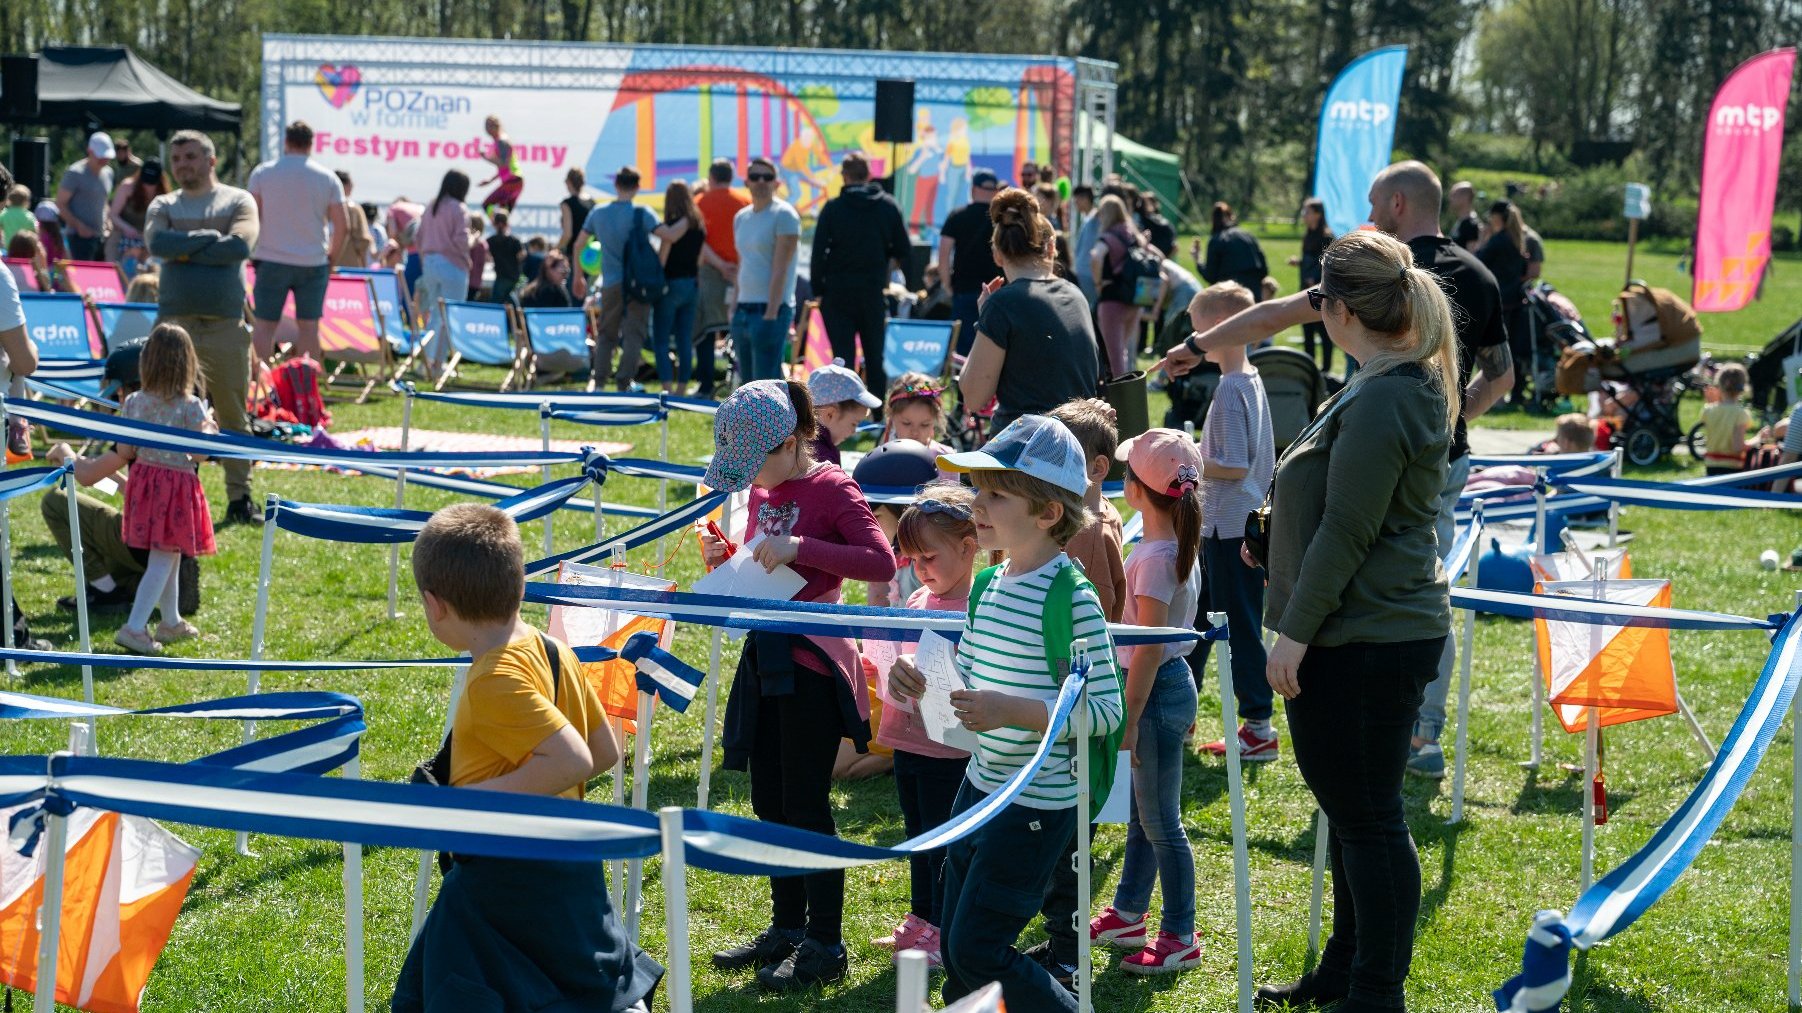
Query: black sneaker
(811, 964)
(1062, 973)
(189, 595)
(1313, 990)
(772, 946)
(243, 510)
(101, 601)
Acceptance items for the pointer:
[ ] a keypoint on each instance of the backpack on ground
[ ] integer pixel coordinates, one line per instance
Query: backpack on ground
(644, 281)
(292, 395)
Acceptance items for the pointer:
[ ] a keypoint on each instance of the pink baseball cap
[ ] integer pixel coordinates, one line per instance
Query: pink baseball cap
(1163, 460)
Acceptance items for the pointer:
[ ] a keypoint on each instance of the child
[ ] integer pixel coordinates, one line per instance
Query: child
(166, 512)
(895, 465)
(147, 287)
(794, 696)
(841, 403)
(16, 217)
(1163, 479)
(1724, 422)
(478, 254)
(514, 930)
(1099, 548)
(1575, 435)
(939, 538)
(506, 169)
(1030, 481)
(1238, 452)
(504, 251)
(916, 411)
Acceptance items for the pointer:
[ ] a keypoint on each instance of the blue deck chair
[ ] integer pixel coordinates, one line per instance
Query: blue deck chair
(556, 341)
(918, 346)
(478, 332)
(121, 322)
(397, 314)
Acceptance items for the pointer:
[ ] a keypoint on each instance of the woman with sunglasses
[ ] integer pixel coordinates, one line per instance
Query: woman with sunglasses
(1360, 601)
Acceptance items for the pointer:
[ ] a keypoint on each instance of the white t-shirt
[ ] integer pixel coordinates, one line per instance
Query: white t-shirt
(297, 195)
(12, 314)
(755, 233)
(1151, 572)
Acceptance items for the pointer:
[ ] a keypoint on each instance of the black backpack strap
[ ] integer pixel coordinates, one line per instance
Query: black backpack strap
(553, 655)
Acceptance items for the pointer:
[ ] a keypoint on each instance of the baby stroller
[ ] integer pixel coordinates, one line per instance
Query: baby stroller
(1554, 325)
(1642, 373)
(1773, 372)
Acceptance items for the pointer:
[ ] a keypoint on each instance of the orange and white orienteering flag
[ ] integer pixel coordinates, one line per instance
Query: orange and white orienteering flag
(124, 881)
(1625, 672)
(615, 682)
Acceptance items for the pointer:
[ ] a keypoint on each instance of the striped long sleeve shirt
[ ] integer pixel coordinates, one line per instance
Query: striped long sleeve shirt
(1003, 650)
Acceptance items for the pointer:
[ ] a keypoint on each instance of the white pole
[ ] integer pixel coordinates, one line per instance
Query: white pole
(675, 910)
(353, 912)
(1539, 545)
(911, 970)
(1614, 507)
(544, 473)
(1079, 763)
(85, 638)
(1317, 899)
(662, 483)
(1470, 649)
(259, 624)
(1235, 788)
(641, 761)
(708, 730)
(50, 911)
(1795, 846)
(616, 874)
(1695, 727)
(400, 503)
(1592, 739)
(422, 880)
(6, 576)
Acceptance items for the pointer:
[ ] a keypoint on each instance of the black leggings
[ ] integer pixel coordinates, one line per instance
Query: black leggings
(791, 784)
(1350, 729)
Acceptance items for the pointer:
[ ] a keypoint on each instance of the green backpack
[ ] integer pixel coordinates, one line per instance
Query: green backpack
(1103, 751)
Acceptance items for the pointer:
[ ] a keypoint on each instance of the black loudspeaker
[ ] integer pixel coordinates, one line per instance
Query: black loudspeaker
(31, 165)
(895, 112)
(18, 87)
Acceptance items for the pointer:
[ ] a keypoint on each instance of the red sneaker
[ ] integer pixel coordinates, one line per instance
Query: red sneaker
(1167, 954)
(1253, 748)
(906, 935)
(1108, 927)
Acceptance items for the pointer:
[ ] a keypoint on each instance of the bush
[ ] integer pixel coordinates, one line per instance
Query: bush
(1588, 205)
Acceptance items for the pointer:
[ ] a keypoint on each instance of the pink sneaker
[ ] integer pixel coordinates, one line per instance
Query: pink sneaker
(1167, 954)
(906, 935)
(1108, 927)
(927, 942)
(1253, 748)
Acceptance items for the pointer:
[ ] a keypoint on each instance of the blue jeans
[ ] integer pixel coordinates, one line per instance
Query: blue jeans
(757, 343)
(1157, 848)
(994, 883)
(674, 316)
(1238, 590)
(440, 280)
(963, 310)
(1432, 708)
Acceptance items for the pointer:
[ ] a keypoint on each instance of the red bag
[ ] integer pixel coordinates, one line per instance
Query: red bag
(293, 395)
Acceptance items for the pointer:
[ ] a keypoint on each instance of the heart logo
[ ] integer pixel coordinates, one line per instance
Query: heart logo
(338, 84)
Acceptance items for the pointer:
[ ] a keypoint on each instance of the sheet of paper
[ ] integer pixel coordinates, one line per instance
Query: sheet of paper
(882, 654)
(740, 576)
(937, 662)
(588, 627)
(1118, 807)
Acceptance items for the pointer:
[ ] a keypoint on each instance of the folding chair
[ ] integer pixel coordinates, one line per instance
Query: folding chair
(812, 348)
(23, 273)
(121, 322)
(351, 331)
(59, 324)
(918, 346)
(478, 332)
(97, 282)
(404, 336)
(557, 335)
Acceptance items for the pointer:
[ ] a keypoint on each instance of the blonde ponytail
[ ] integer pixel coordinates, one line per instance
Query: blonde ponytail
(1431, 314)
(1374, 276)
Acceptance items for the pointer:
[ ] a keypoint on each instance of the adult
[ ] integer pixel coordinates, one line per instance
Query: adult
(719, 205)
(125, 240)
(1505, 254)
(858, 242)
(20, 359)
(1362, 625)
(1117, 309)
(360, 243)
(573, 210)
(1464, 227)
(624, 325)
(1535, 247)
(966, 257)
(443, 243)
(204, 232)
(673, 318)
(550, 289)
(767, 235)
(1315, 238)
(506, 168)
(1035, 346)
(1029, 176)
(1158, 230)
(1405, 203)
(126, 165)
(301, 206)
(1051, 206)
(505, 252)
(1085, 228)
(1233, 253)
(81, 199)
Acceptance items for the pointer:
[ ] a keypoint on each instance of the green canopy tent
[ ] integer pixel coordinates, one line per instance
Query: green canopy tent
(1147, 168)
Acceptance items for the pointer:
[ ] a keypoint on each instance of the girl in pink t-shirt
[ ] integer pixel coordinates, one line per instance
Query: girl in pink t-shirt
(937, 535)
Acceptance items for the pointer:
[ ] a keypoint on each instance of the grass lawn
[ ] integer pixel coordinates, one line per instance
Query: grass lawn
(264, 933)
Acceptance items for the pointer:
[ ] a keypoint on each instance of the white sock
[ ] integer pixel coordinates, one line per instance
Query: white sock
(170, 602)
(1259, 728)
(157, 574)
(104, 584)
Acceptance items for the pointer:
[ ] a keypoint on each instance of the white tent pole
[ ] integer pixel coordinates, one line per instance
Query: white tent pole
(1538, 688)
(259, 624)
(1318, 892)
(1795, 846)
(400, 503)
(675, 910)
(1235, 789)
(1695, 726)
(85, 638)
(609, 626)
(422, 879)
(1460, 760)
(1079, 763)
(50, 910)
(1614, 507)
(710, 713)
(911, 969)
(641, 762)
(1592, 740)
(544, 473)
(353, 912)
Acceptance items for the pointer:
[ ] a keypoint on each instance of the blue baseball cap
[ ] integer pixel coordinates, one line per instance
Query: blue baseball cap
(748, 426)
(835, 383)
(983, 179)
(1035, 445)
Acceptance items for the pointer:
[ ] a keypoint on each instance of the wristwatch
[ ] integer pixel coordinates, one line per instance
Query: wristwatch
(1193, 348)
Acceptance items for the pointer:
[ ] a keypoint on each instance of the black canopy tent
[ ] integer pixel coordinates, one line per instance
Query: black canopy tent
(112, 87)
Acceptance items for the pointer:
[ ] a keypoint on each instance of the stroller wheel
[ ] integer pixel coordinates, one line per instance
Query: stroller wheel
(1697, 442)
(1642, 447)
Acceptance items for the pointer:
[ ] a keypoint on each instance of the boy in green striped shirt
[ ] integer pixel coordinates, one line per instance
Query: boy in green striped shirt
(1030, 481)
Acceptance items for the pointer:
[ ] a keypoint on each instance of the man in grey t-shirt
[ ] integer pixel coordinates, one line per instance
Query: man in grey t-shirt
(624, 324)
(303, 223)
(768, 235)
(81, 199)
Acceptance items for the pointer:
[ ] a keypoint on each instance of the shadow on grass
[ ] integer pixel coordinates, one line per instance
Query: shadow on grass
(232, 884)
(1588, 995)
(1564, 795)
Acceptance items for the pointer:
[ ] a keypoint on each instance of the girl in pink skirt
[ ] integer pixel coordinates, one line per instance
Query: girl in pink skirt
(165, 511)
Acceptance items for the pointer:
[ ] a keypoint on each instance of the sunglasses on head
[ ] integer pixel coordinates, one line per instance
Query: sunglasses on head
(761, 177)
(1317, 298)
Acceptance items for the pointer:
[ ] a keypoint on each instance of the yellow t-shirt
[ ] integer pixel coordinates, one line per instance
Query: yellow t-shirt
(506, 711)
(1720, 421)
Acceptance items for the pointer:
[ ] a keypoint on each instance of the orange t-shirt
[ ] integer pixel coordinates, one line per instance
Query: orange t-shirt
(718, 208)
(506, 711)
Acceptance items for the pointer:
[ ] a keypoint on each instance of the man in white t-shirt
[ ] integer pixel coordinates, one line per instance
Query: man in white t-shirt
(301, 204)
(21, 359)
(768, 235)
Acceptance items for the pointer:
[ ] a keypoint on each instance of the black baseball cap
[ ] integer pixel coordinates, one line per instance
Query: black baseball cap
(122, 368)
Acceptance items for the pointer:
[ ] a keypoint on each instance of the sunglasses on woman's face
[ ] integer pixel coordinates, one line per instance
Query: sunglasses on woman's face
(760, 177)
(1316, 298)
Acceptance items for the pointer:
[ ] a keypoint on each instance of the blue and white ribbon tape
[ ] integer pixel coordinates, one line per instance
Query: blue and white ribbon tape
(1557, 506)
(531, 400)
(608, 416)
(167, 663)
(661, 674)
(50, 388)
(1552, 464)
(1620, 897)
(71, 371)
(303, 706)
(639, 467)
(1463, 549)
(1678, 496)
(26, 481)
(387, 525)
(675, 522)
(1569, 609)
(500, 490)
(799, 617)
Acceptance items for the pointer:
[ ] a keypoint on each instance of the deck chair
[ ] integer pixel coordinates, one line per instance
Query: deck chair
(121, 322)
(285, 328)
(918, 346)
(97, 282)
(1294, 387)
(812, 347)
(351, 331)
(478, 332)
(403, 332)
(555, 340)
(23, 274)
(59, 324)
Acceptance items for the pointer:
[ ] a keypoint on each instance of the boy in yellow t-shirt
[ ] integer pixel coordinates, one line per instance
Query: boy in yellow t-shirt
(520, 932)
(1724, 422)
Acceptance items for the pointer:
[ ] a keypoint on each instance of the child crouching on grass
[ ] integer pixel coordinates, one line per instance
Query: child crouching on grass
(511, 933)
(1030, 482)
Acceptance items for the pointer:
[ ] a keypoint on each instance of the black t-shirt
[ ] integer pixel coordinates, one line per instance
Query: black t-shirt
(684, 258)
(1043, 325)
(1476, 311)
(578, 213)
(1507, 263)
(504, 251)
(1234, 255)
(972, 259)
(1466, 230)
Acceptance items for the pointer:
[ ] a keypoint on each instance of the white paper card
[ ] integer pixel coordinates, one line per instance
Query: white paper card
(740, 576)
(588, 627)
(936, 659)
(882, 655)
(1118, 807)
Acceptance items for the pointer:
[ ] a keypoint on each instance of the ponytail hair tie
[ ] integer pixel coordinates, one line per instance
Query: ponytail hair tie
(1187, 479)
(1403, 276)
